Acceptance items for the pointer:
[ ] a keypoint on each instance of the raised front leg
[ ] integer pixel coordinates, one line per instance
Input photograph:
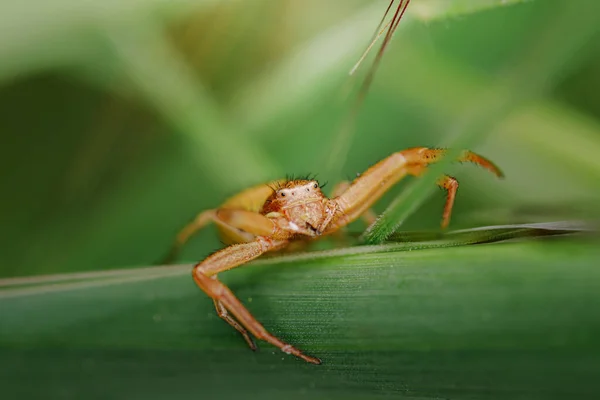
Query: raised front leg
(374, 182)
(205, 277)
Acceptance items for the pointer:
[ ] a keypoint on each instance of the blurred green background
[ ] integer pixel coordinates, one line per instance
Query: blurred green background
(121, 119)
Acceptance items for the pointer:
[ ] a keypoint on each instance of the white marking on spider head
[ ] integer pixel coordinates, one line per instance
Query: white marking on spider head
(294, 226)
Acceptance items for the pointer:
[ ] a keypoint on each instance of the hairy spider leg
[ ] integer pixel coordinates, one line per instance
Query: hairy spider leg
(366, 189)
(204, 274)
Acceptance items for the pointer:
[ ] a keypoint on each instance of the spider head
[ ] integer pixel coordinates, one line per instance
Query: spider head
(300, 201)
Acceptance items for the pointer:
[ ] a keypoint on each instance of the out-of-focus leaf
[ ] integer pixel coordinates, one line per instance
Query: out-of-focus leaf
(430, 10)
(30, 28)
(529, 79)
(165, 81)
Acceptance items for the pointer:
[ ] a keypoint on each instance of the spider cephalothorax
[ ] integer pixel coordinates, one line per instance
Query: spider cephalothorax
(301, 203)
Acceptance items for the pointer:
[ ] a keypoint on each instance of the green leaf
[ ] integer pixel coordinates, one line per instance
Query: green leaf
(513, 320)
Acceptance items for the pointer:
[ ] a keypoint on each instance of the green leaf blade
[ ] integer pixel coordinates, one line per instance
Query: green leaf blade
(514, 320)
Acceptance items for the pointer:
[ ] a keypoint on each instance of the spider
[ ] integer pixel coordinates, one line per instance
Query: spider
(269, 217)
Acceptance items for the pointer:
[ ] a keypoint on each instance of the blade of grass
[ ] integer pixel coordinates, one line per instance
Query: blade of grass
(410, 241)
(343, 139)
(88, 284)
(515, 320)
(498, 233)
(80, 276)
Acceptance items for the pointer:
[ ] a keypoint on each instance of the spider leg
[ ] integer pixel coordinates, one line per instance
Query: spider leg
(222, 313)
(365, 190)
(204, 275)
(258, 227)
(446, 182)
(451, 185)
(235, 225)
(368, 216)
(245, 200)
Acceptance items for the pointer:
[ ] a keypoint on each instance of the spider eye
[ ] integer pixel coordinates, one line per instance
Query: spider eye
(316, 185)
(282, 194)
